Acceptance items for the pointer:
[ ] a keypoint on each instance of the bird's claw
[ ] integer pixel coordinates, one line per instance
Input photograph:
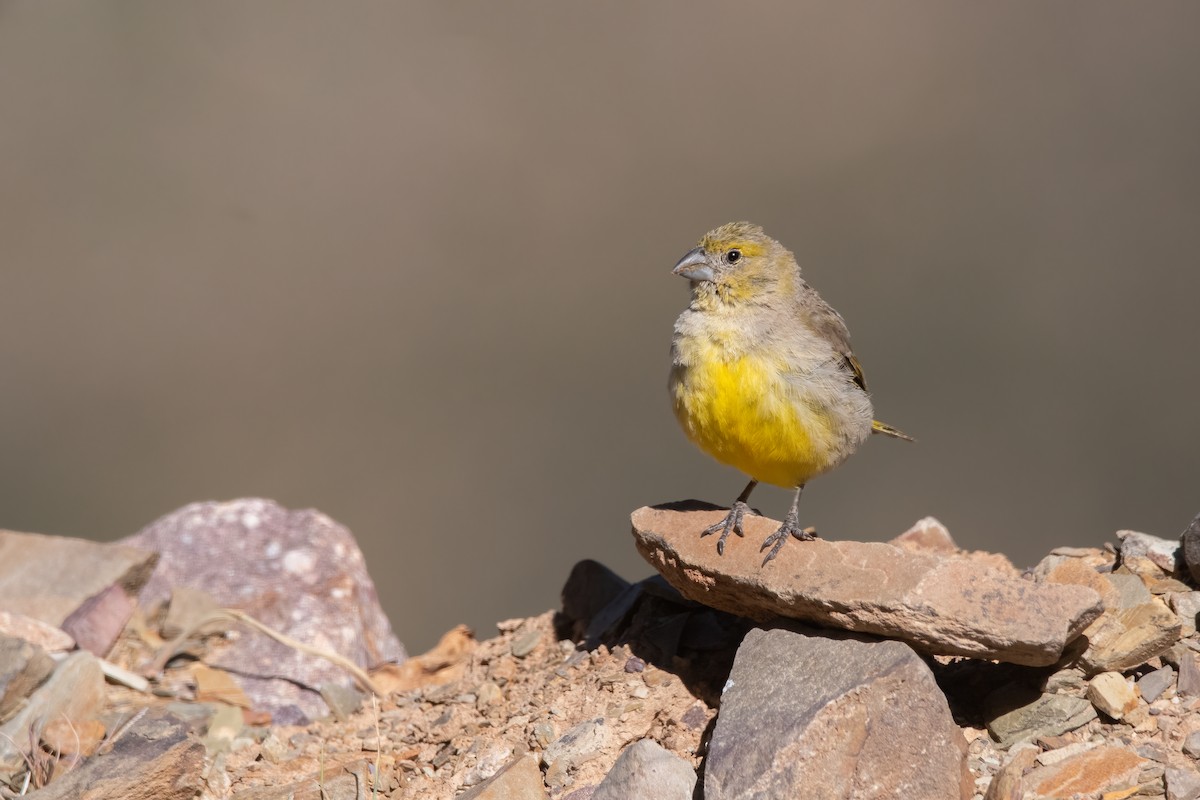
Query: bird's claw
(790, 528)
(731, 523)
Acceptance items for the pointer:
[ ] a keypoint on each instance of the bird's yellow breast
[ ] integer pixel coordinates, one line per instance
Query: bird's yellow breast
(745, 412)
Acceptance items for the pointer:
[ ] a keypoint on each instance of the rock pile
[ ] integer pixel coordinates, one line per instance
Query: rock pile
(909, 669)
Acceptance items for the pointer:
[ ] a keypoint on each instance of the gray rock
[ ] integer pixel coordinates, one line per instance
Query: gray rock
(811, 715)
(1153, 684)
(75, 691)
(1189, 675)
(1190, 547)
(941, 604)
(519, 780)
(298, 572)
(1191, 745)
(647, 771)
(49, 577)
(1163, 552)
(342, 700)
(23, 667)
(1130, 591)
(1019, 714)
(1186, 606)
(1183, 783)
(577, 746)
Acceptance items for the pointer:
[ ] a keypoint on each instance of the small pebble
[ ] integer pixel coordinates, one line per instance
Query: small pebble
(634, 664)
(523, 645)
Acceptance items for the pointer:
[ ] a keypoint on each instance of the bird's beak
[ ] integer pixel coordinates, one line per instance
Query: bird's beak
(694, 266)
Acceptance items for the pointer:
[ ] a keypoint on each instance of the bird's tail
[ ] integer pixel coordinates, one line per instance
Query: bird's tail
(888, 430)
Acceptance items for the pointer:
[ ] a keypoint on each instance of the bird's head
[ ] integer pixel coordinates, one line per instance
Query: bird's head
(735, 262)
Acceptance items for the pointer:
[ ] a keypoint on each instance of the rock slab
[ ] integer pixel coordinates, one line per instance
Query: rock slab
(49, 577)
(519, 780)
(939, 604)
(807, 715)
(155, 759)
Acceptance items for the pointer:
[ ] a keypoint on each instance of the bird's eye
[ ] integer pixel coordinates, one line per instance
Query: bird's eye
(733, 255)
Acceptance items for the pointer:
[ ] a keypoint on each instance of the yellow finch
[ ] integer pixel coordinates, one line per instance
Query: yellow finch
(762, 375)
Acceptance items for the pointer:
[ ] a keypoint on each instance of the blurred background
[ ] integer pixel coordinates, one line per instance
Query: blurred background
(410, 264)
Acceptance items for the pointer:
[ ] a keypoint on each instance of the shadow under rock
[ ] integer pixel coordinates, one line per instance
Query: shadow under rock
(660, 626)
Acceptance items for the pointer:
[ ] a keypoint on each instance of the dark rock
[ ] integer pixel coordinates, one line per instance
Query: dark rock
(155, 759)
(947, 605)
(97, 623)
(1153, 684)
(590, 587)
(1189, 675)
(298, 572)
(810, 715)
(647, 771)
(1190, 549)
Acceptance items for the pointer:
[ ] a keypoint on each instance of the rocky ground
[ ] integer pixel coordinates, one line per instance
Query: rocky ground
(237, 650)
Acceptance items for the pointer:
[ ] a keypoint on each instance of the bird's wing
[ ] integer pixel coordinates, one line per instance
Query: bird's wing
(830, 326)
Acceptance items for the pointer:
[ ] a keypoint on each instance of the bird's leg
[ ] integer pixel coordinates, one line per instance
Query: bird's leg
(790, 527)
(732, 521)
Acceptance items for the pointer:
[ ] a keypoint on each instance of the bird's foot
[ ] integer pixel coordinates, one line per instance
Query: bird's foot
(731, 523)
(787, 530)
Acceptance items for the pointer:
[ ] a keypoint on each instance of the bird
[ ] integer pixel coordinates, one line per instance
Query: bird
(762, 374)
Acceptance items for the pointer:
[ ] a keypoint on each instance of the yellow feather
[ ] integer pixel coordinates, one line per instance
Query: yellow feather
(744, 413)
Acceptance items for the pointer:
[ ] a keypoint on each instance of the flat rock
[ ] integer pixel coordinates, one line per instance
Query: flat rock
(1153, 684)
(75, 691)
(50, 638)
(1085, 774)
(519, 780)
(1189, 545)
(23, 667)
(1017, 714)
(155, 759)
(1183, 783)
(1124, 638)
(647, 771)
(811, 715)
(1163, 552)
(298, 572)
(49, 577)
(940, 604)
(581, 744)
